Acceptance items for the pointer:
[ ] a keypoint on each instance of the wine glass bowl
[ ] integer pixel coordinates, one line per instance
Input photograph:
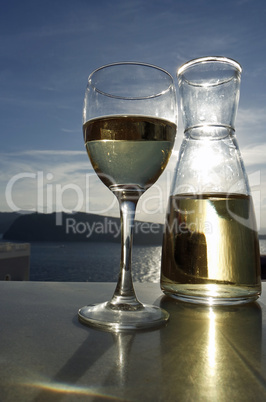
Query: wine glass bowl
(129, 126)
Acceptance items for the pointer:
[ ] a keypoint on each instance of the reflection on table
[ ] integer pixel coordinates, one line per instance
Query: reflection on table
(204, 353)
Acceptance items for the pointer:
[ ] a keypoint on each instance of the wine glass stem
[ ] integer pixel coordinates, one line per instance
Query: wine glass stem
(124, 296)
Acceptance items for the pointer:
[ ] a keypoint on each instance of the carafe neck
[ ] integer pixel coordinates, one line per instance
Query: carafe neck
(209, 131)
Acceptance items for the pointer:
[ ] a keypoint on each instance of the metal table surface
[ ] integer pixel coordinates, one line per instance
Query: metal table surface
(203, 354)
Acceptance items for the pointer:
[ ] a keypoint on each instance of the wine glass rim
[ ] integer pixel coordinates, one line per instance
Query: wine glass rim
(136, 63)
(209, 59)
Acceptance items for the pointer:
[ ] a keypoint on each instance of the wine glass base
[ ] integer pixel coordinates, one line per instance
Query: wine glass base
(103, 317)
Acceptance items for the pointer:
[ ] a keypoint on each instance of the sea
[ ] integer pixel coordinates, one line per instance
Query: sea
(94, 262)
(90, 261)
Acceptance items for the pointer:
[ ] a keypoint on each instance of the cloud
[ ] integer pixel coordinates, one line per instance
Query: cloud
(47, 180)
(67, 130)
(25, 169)
(254, 155)
(63, 172)
(250, 125)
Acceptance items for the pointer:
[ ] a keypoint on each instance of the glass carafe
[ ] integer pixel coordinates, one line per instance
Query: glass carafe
(210, 249)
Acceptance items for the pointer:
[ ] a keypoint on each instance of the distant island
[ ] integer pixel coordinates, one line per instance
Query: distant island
(6, 220)
(78, 226)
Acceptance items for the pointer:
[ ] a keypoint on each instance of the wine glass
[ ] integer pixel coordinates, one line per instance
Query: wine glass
(129, 126)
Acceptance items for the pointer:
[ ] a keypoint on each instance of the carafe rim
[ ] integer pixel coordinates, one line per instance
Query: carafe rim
(209, 59)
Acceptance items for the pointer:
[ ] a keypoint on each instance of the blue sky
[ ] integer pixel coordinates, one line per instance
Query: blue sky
(48, 49)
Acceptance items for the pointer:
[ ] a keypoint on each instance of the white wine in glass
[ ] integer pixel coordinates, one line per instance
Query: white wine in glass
(129, 126)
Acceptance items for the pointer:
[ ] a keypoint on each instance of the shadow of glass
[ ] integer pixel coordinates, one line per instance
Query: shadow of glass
(101, 362)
